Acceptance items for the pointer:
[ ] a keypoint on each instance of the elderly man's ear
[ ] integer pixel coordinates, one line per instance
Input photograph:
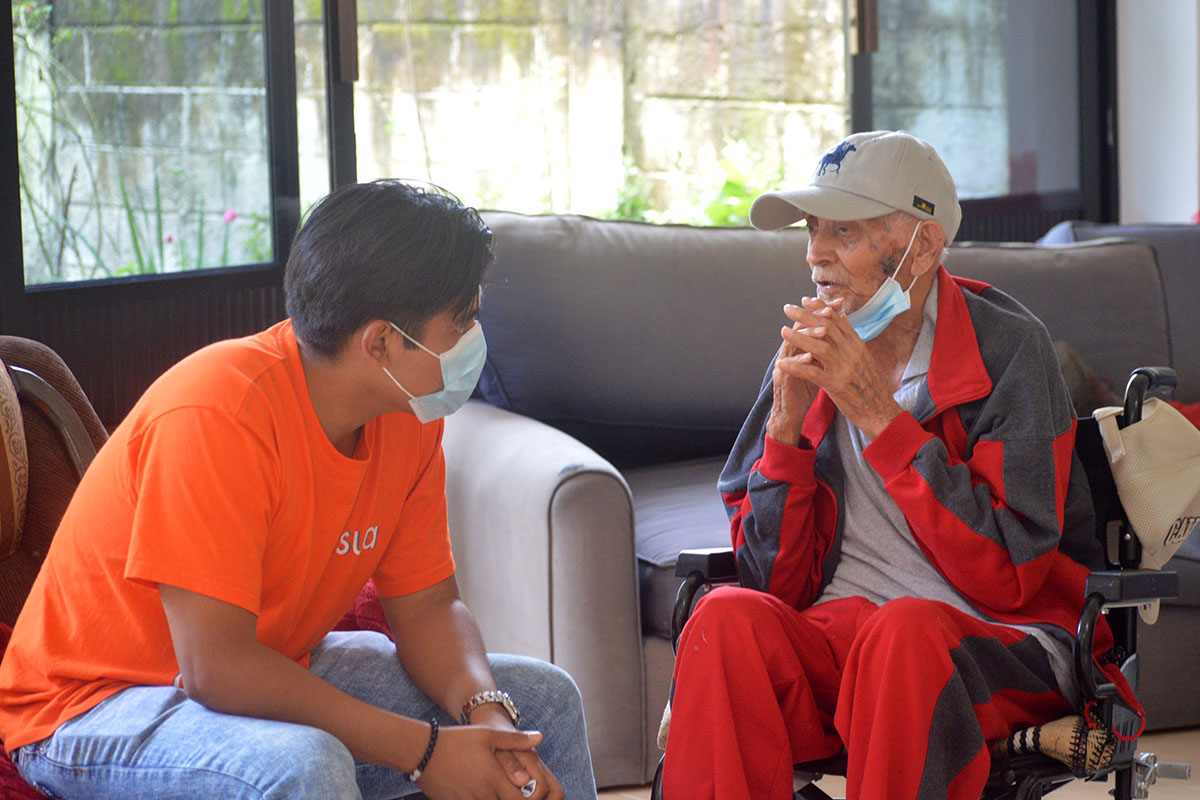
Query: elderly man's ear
(927, 249)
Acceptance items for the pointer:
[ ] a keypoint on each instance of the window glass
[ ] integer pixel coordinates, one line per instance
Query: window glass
(143, 137)
(992, 84)
(676, 111)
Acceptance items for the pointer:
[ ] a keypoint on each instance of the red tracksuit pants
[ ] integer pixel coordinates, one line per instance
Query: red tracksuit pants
(911, 690)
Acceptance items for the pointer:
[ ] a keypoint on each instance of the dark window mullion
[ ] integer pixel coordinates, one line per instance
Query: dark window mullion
(341, 70)
(283, 141)
(12, 262)
(1098, 109)
(861, 94)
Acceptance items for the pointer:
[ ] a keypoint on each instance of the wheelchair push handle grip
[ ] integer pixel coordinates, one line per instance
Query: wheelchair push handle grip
(1144, 382)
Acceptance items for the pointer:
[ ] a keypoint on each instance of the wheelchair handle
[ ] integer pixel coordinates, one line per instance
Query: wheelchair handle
(1142, 383)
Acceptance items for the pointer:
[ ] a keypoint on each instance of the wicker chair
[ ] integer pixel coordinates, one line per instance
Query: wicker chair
(48, 436)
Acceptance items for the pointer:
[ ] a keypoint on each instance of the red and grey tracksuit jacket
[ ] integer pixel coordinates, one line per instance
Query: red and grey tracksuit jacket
(983, 470)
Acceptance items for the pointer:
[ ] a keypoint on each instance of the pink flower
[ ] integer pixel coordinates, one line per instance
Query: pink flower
(170, 237)
(230, 216)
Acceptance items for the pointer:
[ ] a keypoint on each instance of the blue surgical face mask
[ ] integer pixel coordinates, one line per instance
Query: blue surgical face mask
(461, 366)
(888, 302)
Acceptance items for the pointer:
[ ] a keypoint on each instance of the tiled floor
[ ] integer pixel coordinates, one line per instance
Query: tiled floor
(1171, 746)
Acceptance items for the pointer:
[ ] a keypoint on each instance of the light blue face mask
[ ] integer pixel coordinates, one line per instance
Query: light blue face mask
(462, 365)
(888, 302)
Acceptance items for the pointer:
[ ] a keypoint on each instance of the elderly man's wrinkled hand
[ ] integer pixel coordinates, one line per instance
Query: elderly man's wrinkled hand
(793, 396)
(829, 354)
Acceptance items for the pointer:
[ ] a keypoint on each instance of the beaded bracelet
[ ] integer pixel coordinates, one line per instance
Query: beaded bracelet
(412, 777)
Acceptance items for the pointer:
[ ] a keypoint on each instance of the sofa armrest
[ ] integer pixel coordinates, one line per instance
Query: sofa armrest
(542, 529)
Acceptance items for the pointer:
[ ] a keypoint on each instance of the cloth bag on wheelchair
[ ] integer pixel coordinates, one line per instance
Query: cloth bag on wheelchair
(1156, 466)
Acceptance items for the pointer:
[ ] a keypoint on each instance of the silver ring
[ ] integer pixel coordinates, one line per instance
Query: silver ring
(528, 789)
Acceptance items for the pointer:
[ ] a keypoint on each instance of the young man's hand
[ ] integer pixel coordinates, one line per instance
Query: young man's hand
(477, 762)
(522, 766)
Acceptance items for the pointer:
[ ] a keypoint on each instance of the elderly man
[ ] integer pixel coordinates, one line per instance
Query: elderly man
(897, 497)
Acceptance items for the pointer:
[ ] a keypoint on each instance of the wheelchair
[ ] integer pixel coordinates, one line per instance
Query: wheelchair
(1116, 592)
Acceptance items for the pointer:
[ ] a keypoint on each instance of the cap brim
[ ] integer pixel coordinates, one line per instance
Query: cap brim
(776, 210)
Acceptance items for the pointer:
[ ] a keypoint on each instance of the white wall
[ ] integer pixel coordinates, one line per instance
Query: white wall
(1158, 109)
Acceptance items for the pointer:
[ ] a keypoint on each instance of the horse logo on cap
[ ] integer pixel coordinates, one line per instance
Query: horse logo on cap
(834, 158)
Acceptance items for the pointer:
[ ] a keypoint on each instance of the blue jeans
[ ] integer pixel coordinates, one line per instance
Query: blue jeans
(153, 742)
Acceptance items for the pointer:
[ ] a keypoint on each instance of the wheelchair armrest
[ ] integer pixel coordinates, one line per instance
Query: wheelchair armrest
(1132, 587)
(1114, 589)
(712, 564)
(699, 568)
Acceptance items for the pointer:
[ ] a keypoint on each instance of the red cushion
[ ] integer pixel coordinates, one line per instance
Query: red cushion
(366, 614)
(1189, 410)
(11, 784)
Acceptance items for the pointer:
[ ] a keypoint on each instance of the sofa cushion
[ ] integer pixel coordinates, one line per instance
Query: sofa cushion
(646, 342)
(1088, 390)
(1105, 297)
(1186, 560)
(1177, 248)
(676, 507)
(609, 330)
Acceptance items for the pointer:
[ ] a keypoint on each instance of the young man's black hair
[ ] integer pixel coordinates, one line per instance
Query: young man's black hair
(383, 250)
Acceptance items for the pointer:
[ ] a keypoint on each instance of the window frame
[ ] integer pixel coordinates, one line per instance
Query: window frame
(117, 335)
(1026, 216)
(18, 302)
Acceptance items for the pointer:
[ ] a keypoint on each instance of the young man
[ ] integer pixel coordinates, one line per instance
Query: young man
(177, 641)
(897, 496)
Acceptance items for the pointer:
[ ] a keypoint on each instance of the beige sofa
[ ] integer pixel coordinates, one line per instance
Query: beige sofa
(622, 360)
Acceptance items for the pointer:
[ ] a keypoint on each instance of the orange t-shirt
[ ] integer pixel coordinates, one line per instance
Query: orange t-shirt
(221, 481)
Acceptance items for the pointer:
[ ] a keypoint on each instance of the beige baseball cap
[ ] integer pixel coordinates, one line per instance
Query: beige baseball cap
(868, 175)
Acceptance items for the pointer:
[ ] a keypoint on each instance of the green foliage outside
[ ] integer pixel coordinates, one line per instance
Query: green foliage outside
(71, 235)
(745, 179)
(727, 204)
(633, 199)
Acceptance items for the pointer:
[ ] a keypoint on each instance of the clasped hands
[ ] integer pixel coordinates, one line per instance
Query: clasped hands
(489, 759)
(821, 350)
